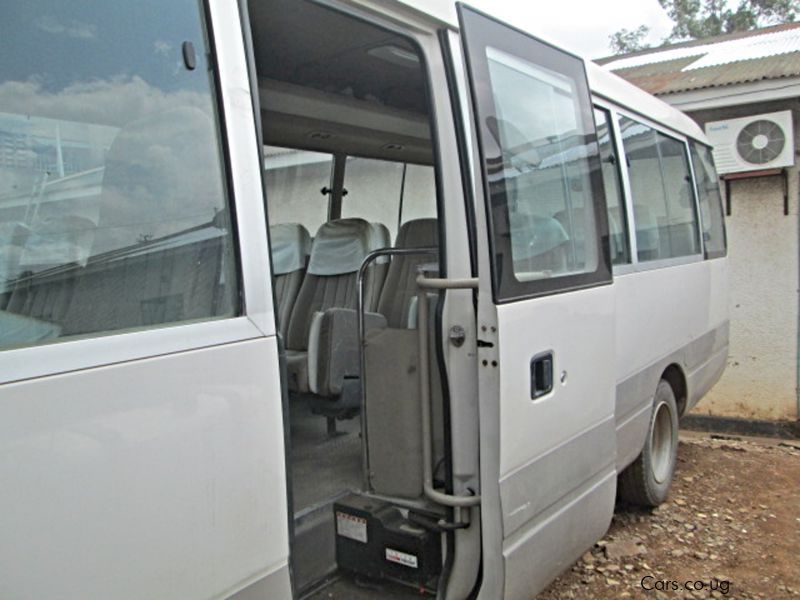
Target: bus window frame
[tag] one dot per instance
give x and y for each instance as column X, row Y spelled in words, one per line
column 624, row 183
column 706, row 254
column 506, row 288
column 636, row 265
column 240, row 154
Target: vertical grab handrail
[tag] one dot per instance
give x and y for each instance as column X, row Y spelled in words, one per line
column 372, row 256
column 423, row 284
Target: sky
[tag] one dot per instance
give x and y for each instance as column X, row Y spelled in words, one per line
column 582, row 26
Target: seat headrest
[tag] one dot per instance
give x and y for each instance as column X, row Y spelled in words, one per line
column 340, row 246
column 418, row 233
column 290, row 244
column 381, row 238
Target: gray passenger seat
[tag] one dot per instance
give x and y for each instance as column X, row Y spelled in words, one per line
column 400, row 289
column 337, row 252
column 290, row 244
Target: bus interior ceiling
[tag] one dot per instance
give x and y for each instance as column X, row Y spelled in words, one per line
column 348, row 170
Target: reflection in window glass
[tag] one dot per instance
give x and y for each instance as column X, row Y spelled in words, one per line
column 544, row 170
column 373, row 191
column 661, row 191
column 617, row 228
column 113, row 209
column 294, row 182
column 710, row 201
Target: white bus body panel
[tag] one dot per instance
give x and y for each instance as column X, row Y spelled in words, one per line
column 666, row 316
column 651, row 304
column 557, row 475
column 151, row 464
column 548, row 477
column 157, row 478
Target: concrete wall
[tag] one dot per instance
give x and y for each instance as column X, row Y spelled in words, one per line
column 760, row 381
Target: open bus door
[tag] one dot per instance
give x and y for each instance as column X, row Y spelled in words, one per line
column 546, row 309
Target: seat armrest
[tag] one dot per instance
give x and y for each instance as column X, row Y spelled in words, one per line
column 333, row 348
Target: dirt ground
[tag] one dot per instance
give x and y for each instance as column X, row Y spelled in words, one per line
column 730, row 529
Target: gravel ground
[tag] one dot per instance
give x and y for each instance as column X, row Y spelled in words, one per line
column 730, row 528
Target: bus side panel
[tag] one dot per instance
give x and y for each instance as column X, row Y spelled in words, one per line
column 557, row 453
column 158, row 478
column 671, row 315
column 708, row 361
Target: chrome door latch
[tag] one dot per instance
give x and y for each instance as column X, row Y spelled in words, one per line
column 457, row 335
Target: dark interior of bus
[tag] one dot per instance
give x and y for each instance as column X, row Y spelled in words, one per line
column 349, row 170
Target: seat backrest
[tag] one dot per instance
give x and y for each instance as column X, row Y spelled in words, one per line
column 290, row 244
column 381, row 238
column 648, row 239
column 400, row 286
column 338, row 249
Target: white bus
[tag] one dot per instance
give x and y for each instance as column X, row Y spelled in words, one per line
column 302, row 296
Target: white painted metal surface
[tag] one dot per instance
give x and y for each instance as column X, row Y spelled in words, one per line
column 661, row 311
column 245, row 158
column 158, row 478
column 151, row 464
column 611, row 87
column 573, row 326
column 155, row 468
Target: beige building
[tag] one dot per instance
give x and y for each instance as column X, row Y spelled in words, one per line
column 725, row 84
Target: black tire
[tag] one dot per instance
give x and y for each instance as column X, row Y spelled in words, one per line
column 647, row 480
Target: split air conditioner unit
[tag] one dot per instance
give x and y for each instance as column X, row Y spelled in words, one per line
column 753, row 143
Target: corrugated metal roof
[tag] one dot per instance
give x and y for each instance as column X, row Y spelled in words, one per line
column 770, row 53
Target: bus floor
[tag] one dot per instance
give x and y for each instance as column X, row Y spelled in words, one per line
column 350, row 587
column 323, row 467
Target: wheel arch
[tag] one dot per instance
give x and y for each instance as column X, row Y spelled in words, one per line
column 676, row 378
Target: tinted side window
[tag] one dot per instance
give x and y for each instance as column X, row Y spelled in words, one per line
column 711, row 215
column 295, row 180
column 546, row 176
column 419, row 194
column 113, row 207
column 617, row 219
column 373, row 191
column 661, row 192
column 680, row 220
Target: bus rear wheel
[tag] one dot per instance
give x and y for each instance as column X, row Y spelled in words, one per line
column 647, row 480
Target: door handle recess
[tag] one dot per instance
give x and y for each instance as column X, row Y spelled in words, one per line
column 541, row 375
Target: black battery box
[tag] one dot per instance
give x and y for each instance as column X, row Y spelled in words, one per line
column 375, row 539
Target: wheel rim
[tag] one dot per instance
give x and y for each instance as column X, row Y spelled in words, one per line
column 661, row 443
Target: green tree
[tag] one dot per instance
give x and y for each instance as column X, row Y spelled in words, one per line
column 697, row 19
column 629, row 40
